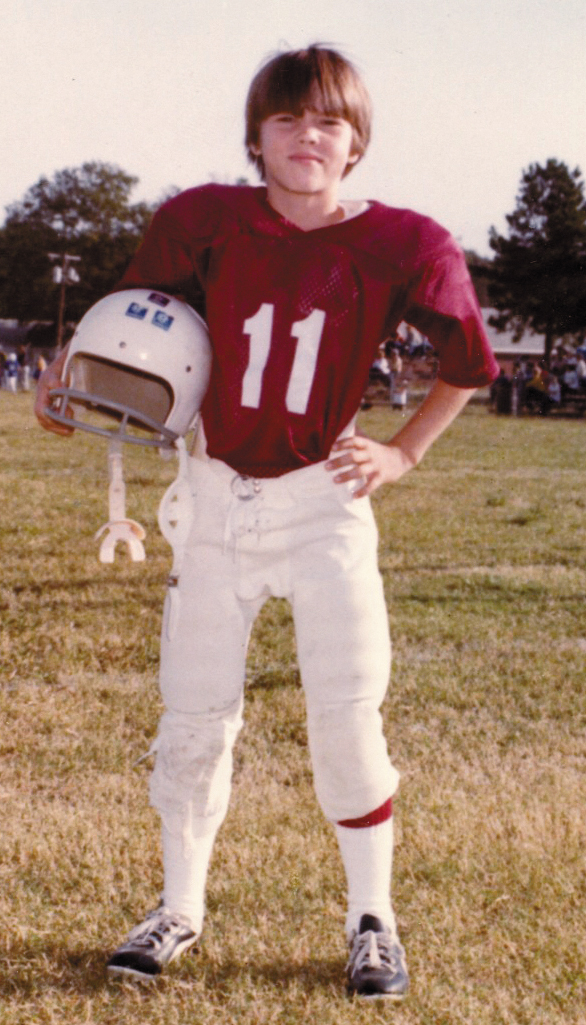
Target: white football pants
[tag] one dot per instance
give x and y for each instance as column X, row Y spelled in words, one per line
column 300, row 537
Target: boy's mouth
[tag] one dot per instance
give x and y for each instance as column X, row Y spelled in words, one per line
column 306, row 158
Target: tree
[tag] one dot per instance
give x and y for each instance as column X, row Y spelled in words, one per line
column 83, row 211
column 538, row 275
column 479, row 268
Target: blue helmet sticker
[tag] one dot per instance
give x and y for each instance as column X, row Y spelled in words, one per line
column 136, row 310
column 162, row 320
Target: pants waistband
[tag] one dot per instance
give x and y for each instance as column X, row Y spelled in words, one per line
column 314, row 479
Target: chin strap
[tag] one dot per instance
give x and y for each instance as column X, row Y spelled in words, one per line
column 119, row 527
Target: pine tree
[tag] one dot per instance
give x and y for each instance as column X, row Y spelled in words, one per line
column 538, row 275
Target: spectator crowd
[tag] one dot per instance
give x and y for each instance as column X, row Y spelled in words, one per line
column 535, row 387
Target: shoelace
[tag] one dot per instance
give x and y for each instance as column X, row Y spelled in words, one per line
column 374, row 950
column 151, row 933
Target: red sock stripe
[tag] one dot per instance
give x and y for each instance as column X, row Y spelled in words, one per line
column 374, row 818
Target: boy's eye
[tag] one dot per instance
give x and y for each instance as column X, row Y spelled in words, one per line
column 323, row 120
column 331, row 121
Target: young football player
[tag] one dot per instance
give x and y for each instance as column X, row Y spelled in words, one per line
column 298, row 289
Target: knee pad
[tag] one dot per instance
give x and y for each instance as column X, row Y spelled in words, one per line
column 352, row 770
column 190, row 783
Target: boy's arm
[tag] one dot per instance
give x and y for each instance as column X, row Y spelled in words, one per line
column 51, row 378
column 361, row 457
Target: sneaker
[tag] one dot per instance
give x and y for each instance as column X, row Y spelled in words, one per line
column 156, row 941
column 377, row 966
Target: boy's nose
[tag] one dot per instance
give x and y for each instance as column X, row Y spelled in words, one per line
column 308, row 130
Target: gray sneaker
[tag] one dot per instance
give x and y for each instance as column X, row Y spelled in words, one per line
column 156, row 941
column 377, row 966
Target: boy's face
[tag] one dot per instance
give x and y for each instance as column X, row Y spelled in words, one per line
column 305, row 153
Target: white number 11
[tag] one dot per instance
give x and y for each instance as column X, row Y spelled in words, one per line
column 308, row 333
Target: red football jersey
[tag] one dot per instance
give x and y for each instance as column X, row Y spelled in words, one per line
column 295, row 317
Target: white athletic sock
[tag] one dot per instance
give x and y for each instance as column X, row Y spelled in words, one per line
column 367, row 854
column 186, row 874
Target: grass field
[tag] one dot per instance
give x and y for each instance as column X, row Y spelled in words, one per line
column 483, row 550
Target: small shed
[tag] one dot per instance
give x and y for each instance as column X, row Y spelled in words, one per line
column 530, row 346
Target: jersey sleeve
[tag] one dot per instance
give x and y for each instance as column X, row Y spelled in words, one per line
column 442, row 304
column 173, row 254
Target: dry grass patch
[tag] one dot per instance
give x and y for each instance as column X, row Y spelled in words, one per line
column 483, row 550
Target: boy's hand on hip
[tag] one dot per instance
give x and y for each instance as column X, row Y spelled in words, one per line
column 373, row 463
column 361, row 458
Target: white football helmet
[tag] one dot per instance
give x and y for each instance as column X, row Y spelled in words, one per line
column 138, row 357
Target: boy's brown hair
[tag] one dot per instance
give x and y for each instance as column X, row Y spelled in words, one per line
column 287, row 83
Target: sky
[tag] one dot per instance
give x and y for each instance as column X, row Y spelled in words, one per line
column 467, row 93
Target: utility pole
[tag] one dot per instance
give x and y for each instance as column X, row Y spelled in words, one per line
column 63, row 275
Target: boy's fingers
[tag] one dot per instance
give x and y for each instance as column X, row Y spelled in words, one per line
column 348, row 451
column 355, row 441
column 42, row 403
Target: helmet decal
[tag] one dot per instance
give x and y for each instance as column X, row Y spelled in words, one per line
column 136, row 310
column 163, row 320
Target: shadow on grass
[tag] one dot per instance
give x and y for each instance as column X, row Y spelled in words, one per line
column 273, row 679
column 30, row 972
column 317, row 974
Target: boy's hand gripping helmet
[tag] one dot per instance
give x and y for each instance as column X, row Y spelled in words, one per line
column 141, row 358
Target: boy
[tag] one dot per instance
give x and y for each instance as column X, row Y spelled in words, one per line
column 298, row 290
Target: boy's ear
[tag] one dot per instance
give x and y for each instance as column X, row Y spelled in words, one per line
column 353, row 157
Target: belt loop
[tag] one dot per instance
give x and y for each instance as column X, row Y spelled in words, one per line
column 245, row 487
